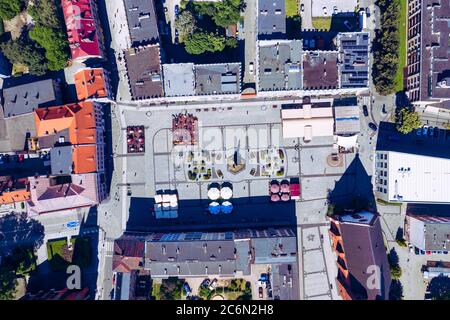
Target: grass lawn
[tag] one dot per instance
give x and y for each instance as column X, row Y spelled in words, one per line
column 156, row 287
column 321, row 23
column 80, row 257
column 19, row 69
column 291, row 8
column 402, row 47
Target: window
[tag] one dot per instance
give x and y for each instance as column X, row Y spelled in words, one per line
column 384, row 190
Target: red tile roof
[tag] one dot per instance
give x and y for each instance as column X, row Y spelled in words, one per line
column 81, row 29
column 90, row 83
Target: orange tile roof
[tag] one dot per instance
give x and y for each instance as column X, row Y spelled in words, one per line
column 84, row 159
column 90, row 82
column 79, row 118
column 14, row 196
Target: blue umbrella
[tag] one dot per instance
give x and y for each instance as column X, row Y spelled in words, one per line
column 227, row 207
column 214, row 208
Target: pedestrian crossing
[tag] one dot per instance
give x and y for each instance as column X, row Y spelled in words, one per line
column 109, row 246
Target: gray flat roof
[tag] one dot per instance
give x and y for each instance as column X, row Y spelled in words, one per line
column 354, row 59
column 347, row 119
column 218, row 78
column 61, row 160
column 271, row 18
column 142, row 21
column 179, row 79
column 280, row 65
column 25, row 98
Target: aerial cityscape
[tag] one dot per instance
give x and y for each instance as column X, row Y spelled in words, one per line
column 246, row 150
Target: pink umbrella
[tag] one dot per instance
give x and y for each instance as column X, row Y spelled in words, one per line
column 274, row 188
column 285, row 197
column 284, row 187
column 274, row 197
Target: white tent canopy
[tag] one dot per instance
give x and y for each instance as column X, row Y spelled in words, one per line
column 213, row 194
column 347, row 142
column 226, row 193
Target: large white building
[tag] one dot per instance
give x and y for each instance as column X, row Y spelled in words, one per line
column 412, row 167
column 409, row 177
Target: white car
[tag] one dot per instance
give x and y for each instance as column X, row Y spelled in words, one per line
column 213, row 284
column 302, row 7
column 324, row 11
column 250, row 67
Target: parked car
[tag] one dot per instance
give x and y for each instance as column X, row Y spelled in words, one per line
column 187, row 288
column 416, row 251
column 176, row 32
column 21, row 158
column 260, row 291
column 436, row 132
column 431, row 131
column 348, row 25
column 176, row 40
column 324, row 11
column 213, row 284
column 422, row 252
column 165, row 9
column 264, row 277
column 250, row 67
column 444, row 252
column 425, row 130
column 419, row 131
column 335, row 9
column 368, row 12
column 411, row 248
column 2, row 159
column 365, row 111
column 206, row 283
column 302, row 7
column 176, row 10
column 373, row 126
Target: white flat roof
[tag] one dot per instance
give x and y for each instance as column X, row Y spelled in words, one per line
column 308, row 128
column 423, row 178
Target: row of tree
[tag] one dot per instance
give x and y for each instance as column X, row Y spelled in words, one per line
column 44, row 47
column 386, row 55
column 11, row 8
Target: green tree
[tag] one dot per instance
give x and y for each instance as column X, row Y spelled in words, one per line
column 408, row 121
column 185, row 23
column 8, row 283
column 201, row 42
column 439, row 288
column 10, row 8
column 55, row 44
column 46, row 13
column 231, row 42
column 18, row 51
column 227, row 12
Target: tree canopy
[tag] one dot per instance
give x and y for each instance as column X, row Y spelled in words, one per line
column 386, row 58
column 8, row 283
column 54, row 42
column 18, row 51
column 10, row 8
column 201, row 42
column 185, row 23
column 407, row 121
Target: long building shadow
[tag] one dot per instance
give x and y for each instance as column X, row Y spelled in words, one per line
column 354, row 191
column 193, row 215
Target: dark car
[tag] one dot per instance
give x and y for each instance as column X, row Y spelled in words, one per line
column 365, row 111
column 373, row 126
column 176, row 10
column 176, row 40
column 260, row 291
column 187, row 288
column 176, row 32
column 206, row 283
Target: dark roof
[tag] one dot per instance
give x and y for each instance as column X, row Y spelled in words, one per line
column 5, row 66
column 271, row 18
column 320, row 70
column 389, row 139
column 25, row 98
column 354, row 59
column 142, row 21
column 439, row 210
column 364, row 247
column 144, row 72
column 218, row 78
column 435, row 63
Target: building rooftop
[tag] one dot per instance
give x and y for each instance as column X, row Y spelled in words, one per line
column 142, row 21
column 13, row 190
column 363, row 247
column 346, row 119
column 435, row 63
column 91, row 83
column 81, row 29
column 179, row 79
column 144, row 72
column 218, row 78
column 25, row 98
column 353, row 50
column 79, row 118
column 320, row 70
column 429, row 232
column 271, row 19
column 280, row 65
column 61, row 160
column 307, row 120
column 50, row 194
